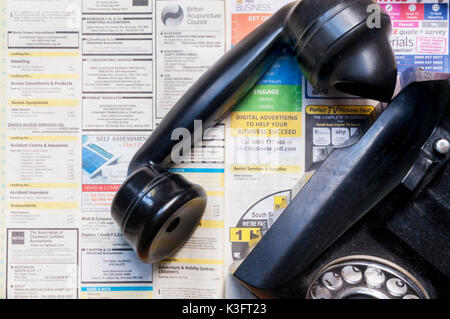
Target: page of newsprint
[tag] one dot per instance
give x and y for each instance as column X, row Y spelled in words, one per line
column 83, row 83
column 86, row 82
column 3, row 79
column 285, row 127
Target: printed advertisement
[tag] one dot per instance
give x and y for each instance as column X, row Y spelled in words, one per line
column 265, row 144
column 86, row 83
column 420, row 33
column 324, row 119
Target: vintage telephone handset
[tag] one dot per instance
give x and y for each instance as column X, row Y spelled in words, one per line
column 158, row 210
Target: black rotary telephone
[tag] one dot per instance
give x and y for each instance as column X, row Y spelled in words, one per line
column 336, row 48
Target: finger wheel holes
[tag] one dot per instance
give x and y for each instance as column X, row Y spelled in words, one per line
column 365, row 277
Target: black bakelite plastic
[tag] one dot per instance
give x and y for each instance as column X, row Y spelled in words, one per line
column 157, row 211
column 346, row 186
column 335, row 48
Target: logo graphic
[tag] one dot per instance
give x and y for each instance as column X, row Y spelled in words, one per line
column 172, row 15
column 17, row 238
column 436, row 7
column 412, row 7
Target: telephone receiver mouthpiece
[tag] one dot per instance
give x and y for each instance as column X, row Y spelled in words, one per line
column 337, row 46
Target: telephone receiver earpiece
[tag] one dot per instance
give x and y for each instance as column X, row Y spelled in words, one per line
column 335, row 47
